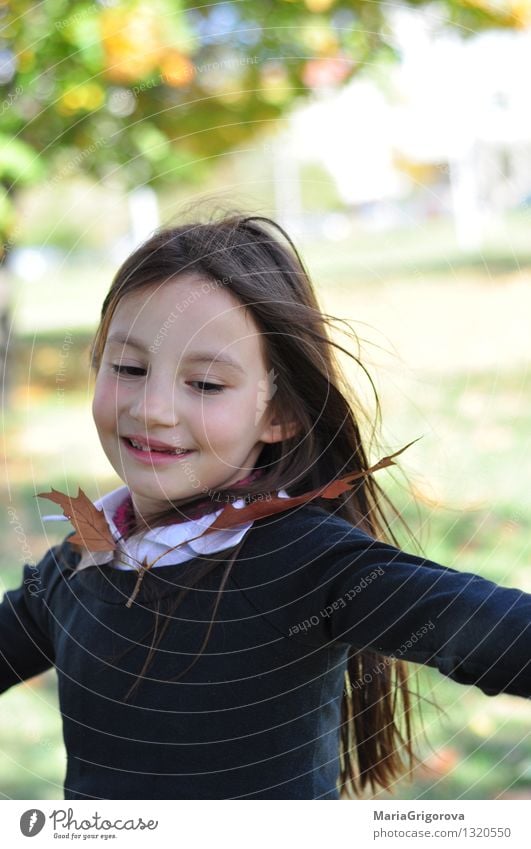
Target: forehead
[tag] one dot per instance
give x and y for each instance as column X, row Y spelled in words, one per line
column 188, row 313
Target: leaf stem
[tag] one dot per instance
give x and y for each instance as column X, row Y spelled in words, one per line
column 143, row 569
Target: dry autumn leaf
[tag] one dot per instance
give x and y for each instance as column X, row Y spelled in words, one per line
column 261, row 509
column 232, row 516
column 93, row 532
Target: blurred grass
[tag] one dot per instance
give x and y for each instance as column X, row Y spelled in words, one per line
column 33, row 759
column 463, row 488
column 423, row 251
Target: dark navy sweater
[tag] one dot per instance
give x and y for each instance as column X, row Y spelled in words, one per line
column 258, row 715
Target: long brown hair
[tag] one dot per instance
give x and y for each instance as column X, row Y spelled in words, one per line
column 257, row 261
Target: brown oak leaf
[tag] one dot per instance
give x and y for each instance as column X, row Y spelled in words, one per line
column 94, row 534
column 92, row 530
column 232, row 516
column 260, row 509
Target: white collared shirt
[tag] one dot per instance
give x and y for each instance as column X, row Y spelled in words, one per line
column 155, row 543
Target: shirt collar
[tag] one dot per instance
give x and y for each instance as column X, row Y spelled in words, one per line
column 154, row 543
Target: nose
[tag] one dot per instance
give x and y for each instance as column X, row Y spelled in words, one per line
column 154, row 403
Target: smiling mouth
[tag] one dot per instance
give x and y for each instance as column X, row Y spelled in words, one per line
column 149, row 451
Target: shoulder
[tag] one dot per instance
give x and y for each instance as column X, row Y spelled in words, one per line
column 313, row 520
column 42, row 579
column 29, row 602
column 294, row 562
column 307, row 533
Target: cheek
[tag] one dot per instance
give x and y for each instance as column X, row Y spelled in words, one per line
column 210, row 423
column 228, row 422
column 103, row 404
column 215, row 422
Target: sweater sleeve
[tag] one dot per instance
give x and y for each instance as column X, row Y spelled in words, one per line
column 375, row 596
column 26, row 647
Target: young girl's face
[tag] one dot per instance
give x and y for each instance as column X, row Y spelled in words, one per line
column 183, row 367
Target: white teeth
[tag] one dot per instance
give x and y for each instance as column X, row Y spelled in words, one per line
column 162, row 450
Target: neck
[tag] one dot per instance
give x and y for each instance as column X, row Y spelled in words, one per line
column 126, row 517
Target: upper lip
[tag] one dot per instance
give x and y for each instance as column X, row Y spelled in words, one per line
column 152, row 443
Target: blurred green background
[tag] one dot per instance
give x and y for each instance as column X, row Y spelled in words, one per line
column 110, row 103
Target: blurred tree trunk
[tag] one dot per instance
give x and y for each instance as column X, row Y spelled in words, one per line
column 4, row 331
column 6, row 232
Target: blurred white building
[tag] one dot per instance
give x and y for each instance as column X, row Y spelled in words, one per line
column 461, row 105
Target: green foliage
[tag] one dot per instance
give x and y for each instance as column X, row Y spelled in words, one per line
column 149, row 89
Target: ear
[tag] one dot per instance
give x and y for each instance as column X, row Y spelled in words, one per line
column 276, row 431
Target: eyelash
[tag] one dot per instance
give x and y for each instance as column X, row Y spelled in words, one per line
column 120, row 370
column 215, row 390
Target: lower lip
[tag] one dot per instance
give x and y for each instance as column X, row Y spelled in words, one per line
column 153, row 458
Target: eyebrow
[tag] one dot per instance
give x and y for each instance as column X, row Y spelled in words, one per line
column 193, row 357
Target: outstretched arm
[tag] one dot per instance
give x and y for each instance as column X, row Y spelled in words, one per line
column 471, row 629
column 25, row 645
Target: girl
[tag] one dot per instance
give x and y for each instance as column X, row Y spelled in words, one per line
column 266, row 660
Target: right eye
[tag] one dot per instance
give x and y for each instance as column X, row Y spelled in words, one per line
column 126, row 370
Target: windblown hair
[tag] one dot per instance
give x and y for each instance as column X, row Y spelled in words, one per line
column 254, row 258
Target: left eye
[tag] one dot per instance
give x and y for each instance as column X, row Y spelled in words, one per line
column 213, row 387
column 127, row 370
column 136, row 371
